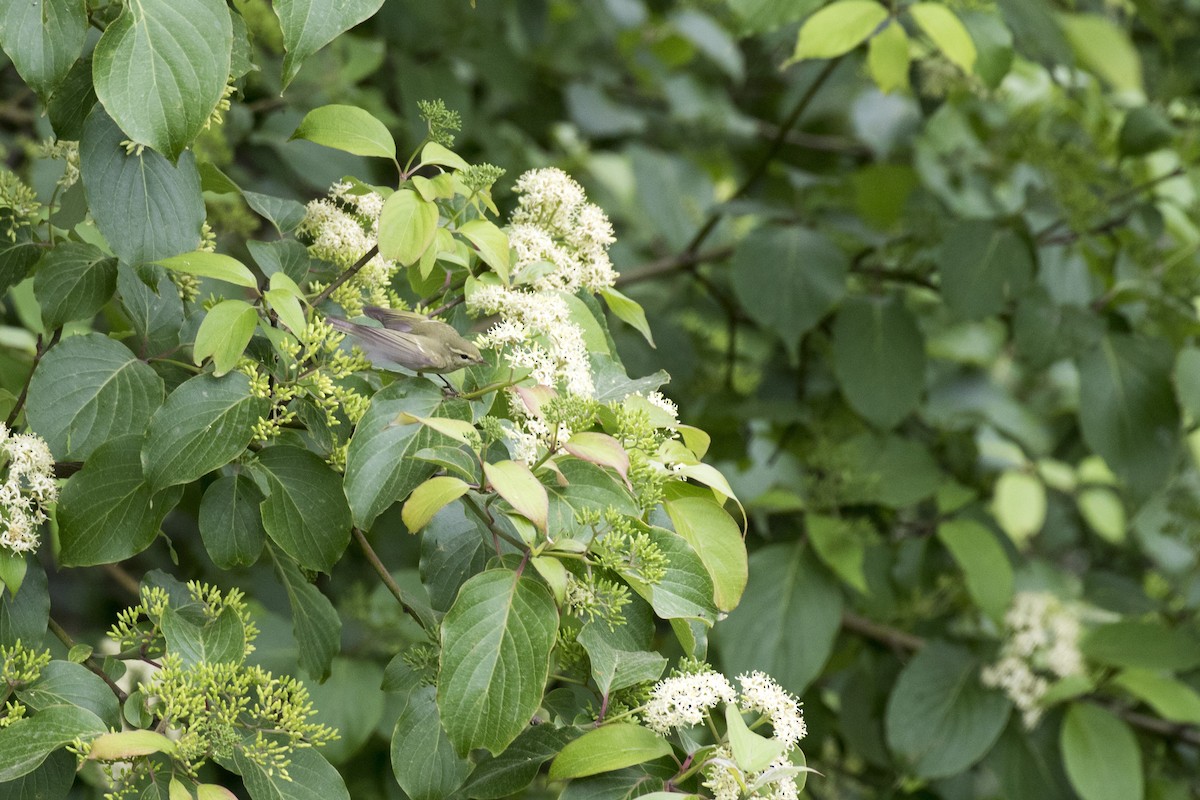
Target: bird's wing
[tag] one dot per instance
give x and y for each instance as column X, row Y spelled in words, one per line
column 406, row 321
column 387, row 348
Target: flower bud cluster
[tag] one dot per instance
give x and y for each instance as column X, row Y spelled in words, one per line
column 1041, row 645
column 19, row 206
column 29, row 486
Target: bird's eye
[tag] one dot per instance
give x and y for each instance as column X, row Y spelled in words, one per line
column 464, row 356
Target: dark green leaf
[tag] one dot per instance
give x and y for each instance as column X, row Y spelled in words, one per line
column 146, row 208
column 72, row 101
column 1127, row 409
column 515, row 768
column 63, row 683
column 199, row 640
column 153, row 306
column 982, row 266
column 453, row 548
column 305, row 512
column 43, row 39
column 940, row 720
column 204, row 424
column 230, row 522
column 686, row 590
column 310, row 777
column 26, row 743
column 49, row 781
column 423, row 760
column 1148, row 644
column 309, row 25
column 879, row 359
column 74, row 281
column 614, row 667
column 787, row 279
column 315, row 623
column 24, row 616
column 87, row 391
column 107, row 512
column 496, row 642
column 379, row 466
column 161, row 67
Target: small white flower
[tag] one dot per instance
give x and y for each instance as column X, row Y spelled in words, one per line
column 29, row 485
column 681, row 701
column 761, row 693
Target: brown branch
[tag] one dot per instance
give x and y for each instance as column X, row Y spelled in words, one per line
column 69, row 643
column 892, row 637
column 123, row 578
column 666, row 266
column 345, row 276
column 37, row 358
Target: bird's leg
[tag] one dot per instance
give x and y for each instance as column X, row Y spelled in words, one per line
column 449, row 391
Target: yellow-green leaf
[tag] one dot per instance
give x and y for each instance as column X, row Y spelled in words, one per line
column 1019, row 505
column 224, row 334
column 407, row 226
column 491, row 242
column 211, row 265
column 601, row 449
column 947, row 32
column 838, row 28
column 513, row 481
column 127, row 744
column 608, row 748
column 887, row 58
column 429, row 498
column 347, row 128
column 628, row 311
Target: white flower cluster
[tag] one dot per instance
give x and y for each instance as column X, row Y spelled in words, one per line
column 561, row 245
column 1041, row 644
column 684, row 700
column 28, row 488
column 341, row 229
column 556, row 226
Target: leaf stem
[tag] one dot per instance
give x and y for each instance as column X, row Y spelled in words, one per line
column 384, row 575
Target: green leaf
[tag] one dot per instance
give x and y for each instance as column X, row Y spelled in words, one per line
column 1101, row 755
column 982, row 266
column 74, row 281
column 198, row 640
column 305, row 512
column 53, row 778
column 123, row 745
column 310, row 777
column 63, row 683
column 607, row 748
column 43, row 39
column 286, row 215
column 599, row 449
column 224, row 334
column 628, row 311
column 940, row 720
column 315, row 622
column 840, row 544
column 88, row 390
column 515, row 768
column 13, row 567
column 230, row 522
column 1145, row 130
column 496, row 643
column 879, row 359
column 838, row 28
column 513, row 481
column 1102, row 510
column 309, row 25
column 1171, row 699
column 204, row 424
column 407, row 226
column 490, row 242
column 686, row 590
column 1019, row 505
column 26, row 743
column 716, row 538
column 107, row 512
column 1127, row 409
column 983, row 562
column 153, row 307
column 351, row 702
column 211, row 265
column 25, row 615
column 614, row 666
column 1187, row 380
column 788, row 278
column 434, row 153
column 347, row 128
column 146, row 208
column 588, row 488
column 161, row 67
column 888, row 59
column 787, row 621
column 380, row 468
column 1142, row 644
column 429, row 498
column 423, row 760
column 453, row 548
column 947, row 32
column 752, row 752
column 286, row 306
column 1106, row 50
column 16, row 259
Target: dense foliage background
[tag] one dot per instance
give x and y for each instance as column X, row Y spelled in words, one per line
column 932, row 296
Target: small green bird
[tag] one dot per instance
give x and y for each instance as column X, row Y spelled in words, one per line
column 410, row 340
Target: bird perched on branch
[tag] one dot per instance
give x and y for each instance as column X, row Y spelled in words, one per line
column 410, row 340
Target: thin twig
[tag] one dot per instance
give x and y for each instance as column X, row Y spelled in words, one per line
column 69, row 643
column 666, row 266
column 764, row 163
column 345, row 276
column 1043, row 236
column 384, row 575
column 37, row 358
column 123, row 578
